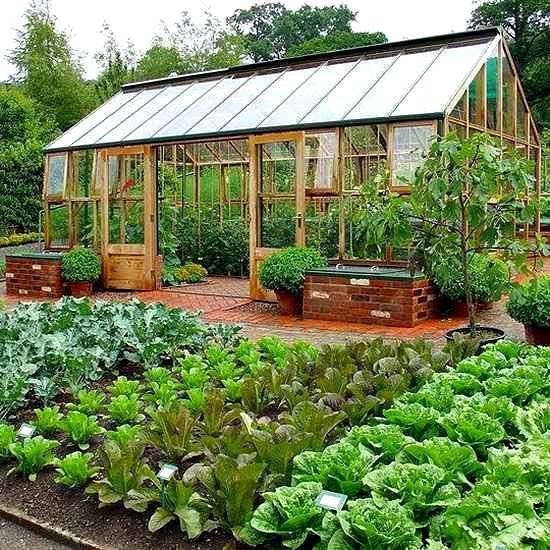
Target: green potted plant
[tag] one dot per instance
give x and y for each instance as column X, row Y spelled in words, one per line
column 489, row 279
column 284, row 272
column 465, row 199
column 529, row 304
column 80, row 268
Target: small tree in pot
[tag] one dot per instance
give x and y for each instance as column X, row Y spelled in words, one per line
column 81, row 267
column 529, row 304
column 465, row 199
column 284, row 272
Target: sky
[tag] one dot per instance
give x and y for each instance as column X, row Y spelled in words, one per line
column 139, row 21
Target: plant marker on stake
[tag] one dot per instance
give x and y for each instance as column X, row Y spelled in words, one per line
column 167, row 472
column 26, row 431
column 331, row 501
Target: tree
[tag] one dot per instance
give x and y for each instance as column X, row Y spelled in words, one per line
column 465, row 198
column 272, row 30
column 24, row 130
column 47, row 68
column 117, row 66
column 159, row 61
column 526, row 24
column 338, row 41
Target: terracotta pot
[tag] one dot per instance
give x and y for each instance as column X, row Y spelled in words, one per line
column 538, row 336
column 289, row 304
column 80, row 289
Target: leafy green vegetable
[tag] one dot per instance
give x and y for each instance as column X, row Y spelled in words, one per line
column 289, row 514
column 124, row 409
column 123, row 386
column 414, row 419
column 89, row 402
column 81, row 428
column 7, row 437
column 534, row 420
column 125, row 434
column 47, row 420
column 385, row 440
column 75, row 470
column 32, row 455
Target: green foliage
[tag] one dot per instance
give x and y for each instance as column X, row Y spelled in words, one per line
column 47, row 68
column 75, row 470
column 337, row 41
column 288, row 513
column 285, row 270
column 124, row 471
column 271, row 30
column 123, row 386
column 177, row 502
column 7, row 437
column 189, row 272
column 81, row 264
column 47, row 420
column 124, row 409
column 89, row 402
column 16, row 239
column 489, row 278
column 32, row 455
column 124, row 435
column 452, row 202
column 529, row 303
column 81, row 428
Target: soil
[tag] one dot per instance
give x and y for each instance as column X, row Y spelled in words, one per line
column 113, row 527
column 15, row 537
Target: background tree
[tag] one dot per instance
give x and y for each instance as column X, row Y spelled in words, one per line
column 159, row 61
column 23, row 130
column 47, row 69
column 527, row 26
column 338, row 41
column 271, row 30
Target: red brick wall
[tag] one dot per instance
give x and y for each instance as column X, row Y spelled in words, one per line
column 400, row 303
column 33, row 277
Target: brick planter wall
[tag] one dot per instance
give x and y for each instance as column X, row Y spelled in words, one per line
column 34, row 276
column 379, row 301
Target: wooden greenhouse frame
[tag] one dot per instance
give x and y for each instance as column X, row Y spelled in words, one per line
column 117, row 209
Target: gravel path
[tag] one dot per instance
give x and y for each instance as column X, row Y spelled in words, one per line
column 15, row 537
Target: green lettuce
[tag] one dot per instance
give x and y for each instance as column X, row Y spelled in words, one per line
column 385, row 440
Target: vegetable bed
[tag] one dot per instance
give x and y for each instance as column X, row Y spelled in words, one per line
column 431, row 448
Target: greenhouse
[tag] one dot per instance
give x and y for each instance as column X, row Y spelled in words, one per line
column 224, row 167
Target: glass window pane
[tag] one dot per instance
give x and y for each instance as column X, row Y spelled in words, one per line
column 320, row 160
column 460, row 108
column 458, row 129
column 382, row 98
column 86, row 223
column 126, row 223
column 212, row 100
column 277, row 222
column 348, row 92
column 476, row 99
column 409, row 144
column 234, row 104
column 92, row 120
column 322, row 223
column 522, row 119
column 83, row 164
column 56, row 175
column 508, row 97
column 493, row 120
column 277, row 167
column 297, row 105
column 262, row 107
column 438, row 85
column 58, row 225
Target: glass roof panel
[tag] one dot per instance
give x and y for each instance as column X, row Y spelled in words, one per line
column 190, row 93
column 234, row 104
column 348, row 92
column 95, row 135
column 92, row 120
column 293, row 110
column 442, row 81
column 267, row 102
column 156, row 104
column 210, row 101
column 381, row 100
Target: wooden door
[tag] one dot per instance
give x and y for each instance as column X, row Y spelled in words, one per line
column 128, row 218
column 277, row 199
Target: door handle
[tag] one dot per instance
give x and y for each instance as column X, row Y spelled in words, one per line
column 300, row 219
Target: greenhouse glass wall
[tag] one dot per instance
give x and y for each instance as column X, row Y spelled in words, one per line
column 225, row 167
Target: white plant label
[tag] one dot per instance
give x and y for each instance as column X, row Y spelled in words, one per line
column 26, row 430
column 331, row 501
column 167, row 471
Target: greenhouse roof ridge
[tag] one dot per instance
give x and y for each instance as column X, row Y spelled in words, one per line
column 373, row 49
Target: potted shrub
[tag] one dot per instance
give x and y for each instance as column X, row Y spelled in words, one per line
column 284, row 272
column 465, row 198
column 529, row 304
column 80, row 268
column 489, row 279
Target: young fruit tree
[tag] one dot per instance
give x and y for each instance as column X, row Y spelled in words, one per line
column 470, row 196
